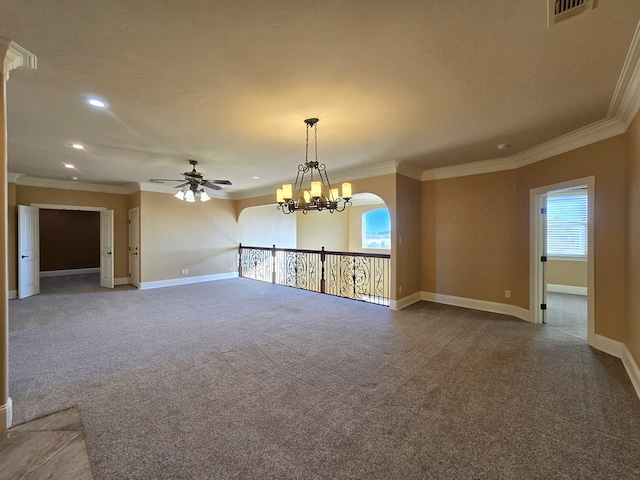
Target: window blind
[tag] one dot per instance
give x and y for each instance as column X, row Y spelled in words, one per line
column 567, row 218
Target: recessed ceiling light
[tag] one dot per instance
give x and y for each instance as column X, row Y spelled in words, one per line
column 77, row 146
column 74, row 178
column 255, row 177
column 96, row 102
column 504, row 146
column 68, row 165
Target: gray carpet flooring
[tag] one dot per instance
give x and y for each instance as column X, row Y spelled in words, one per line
column 243, row 379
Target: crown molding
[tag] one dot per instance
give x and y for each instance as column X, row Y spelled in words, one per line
column 13, row 177
column 71, row 185
column 337, row 176
column 16, row 57
column 626, row 96
column 623, row 108
column 409, row 170
column 595, row 132
column 364, row 171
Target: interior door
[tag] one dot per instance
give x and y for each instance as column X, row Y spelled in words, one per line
column 28, row 251
column 134, row 246
column 543, row 258
column 106, row 248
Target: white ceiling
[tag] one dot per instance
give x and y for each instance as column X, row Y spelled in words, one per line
column 429, row 83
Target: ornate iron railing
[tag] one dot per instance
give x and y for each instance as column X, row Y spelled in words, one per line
column 359, row 276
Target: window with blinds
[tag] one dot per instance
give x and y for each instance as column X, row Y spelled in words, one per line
column 567, row 219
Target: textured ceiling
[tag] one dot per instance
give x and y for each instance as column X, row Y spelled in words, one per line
column 229, row 83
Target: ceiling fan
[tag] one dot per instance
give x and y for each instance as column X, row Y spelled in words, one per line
column 191, row 183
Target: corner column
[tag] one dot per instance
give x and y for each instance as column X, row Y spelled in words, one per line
column 14, row 56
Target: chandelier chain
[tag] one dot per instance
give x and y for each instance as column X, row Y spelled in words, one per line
column 315, row 130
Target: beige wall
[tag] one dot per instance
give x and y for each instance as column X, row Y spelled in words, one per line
column 632, row 277
column 475, row 233
column 468, row 236
column 26, row 195
column 567, row 272
column 323, row 229
column 200, row 237
column 265, row 226
column 406, row 227
column 606, row 160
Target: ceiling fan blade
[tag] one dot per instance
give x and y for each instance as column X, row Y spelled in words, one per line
column 182, row 185
column 162, row 180
column 210, row 185
column 220, row 182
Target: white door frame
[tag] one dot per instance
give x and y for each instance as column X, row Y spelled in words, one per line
column 28, row 251
column 134, row 247
column 536, row 199
column 49, row 206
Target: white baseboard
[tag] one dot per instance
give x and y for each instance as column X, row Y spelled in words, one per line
column 632, row 369
column 405, row 301
column 12, row 294
column 620, row 350
column 570, row 289
column 186, row 280
column 606, row 345
column 483, row 305
column 6, row 414
column 73, row 271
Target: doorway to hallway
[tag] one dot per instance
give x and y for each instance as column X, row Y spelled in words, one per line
column 562, row 263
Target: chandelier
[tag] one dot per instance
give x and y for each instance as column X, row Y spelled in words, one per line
column 318, row 195
column 191, row 193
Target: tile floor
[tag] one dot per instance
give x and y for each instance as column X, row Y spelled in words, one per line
column 51, row 447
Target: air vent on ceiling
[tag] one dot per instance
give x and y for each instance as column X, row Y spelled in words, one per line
column 560, row 10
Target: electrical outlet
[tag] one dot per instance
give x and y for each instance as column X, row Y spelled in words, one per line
column 507, row 294
column 184, row 271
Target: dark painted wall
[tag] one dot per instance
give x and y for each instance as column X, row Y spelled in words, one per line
column 69, row 239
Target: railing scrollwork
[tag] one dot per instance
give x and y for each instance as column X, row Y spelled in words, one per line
column 359, row 276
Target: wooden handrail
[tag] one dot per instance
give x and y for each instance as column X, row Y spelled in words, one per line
column 326, row 252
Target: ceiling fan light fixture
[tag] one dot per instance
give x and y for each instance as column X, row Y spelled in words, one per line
column 191, row 186
column 319, row 195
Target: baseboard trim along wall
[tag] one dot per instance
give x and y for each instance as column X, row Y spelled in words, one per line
column 186, row 280
column 620, row 350
column 483, row 305
column 632, row 369
column 405, row 301
column 606, row 345
column 6, row 414
column 72, row 271
column 570, row 289
column 13, row 294
column 121, row 281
